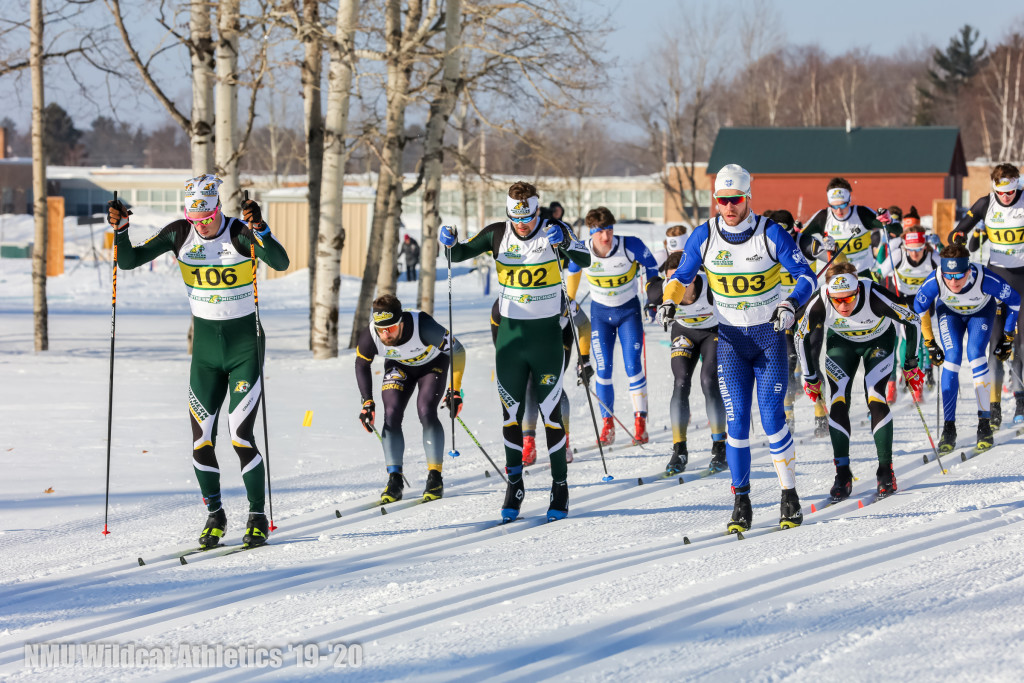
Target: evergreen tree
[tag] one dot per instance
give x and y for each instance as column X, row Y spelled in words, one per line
column 953, row 69
column 62, row 137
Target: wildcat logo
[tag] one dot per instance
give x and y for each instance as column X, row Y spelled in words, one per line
column 209, row 190
column 879, row 353
column 521, row 209
column 742, row 306
column 392, row 353
column 996, row 217
column 840, row 322
column 198, row 205
column 241, row 387
column 215, row 299
column 198, row 251
column 513, row 251
column 596, row 267
column 724, row 258
column 189, row 187
column 394, row 375
column 548, row 380
column 524, row 299
column 841, row 283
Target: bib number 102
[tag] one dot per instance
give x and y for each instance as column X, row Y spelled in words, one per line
column 214, row 277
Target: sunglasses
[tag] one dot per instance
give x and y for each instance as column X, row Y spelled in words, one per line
column 843, row 299
column 738, row 199
column 1006, row 194
column 203, row 222
column 390, row 329
column 955, row 276
column 840, row 207
column 521, row 221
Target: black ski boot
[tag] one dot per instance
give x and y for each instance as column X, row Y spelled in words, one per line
column 843, row 485
column 256, row 530
column 514, row 500
column 886, row 481
column 947, row 442
column 790, row 514
column 741, row 514
column 997, row 415
column 984, row 434
column 679, row 458
column 393, row 491
column 214, row 529
column 1018, row 410
column 559, row 506
column 820, row 426
column 435, row 485
column 718, row 462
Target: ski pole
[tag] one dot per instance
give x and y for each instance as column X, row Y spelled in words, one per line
column 474, row 439
column 614, row 416
column 110, row 395
column 834, row 257
column 576, row 341
column 259, row 361
column 377, row 434
column 451, row 347
column 929, row 433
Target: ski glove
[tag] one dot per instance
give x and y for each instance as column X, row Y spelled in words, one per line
column 452, row 403
column 251, row 213
column 367, row 413
column 823, row 244
column 812, row 389
column 957, row 238
column 584, row 370
column 1004, row 348
column 934, row 351
column 914, row 377
column 556, row 235
column 117, row 214
column 883, row 216
column 666, row 313
column 784, row 316
column 448, row 236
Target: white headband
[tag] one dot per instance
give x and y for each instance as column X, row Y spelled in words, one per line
column 675, row 243
column 843, row 284
column 202, row 193
column 521, row 208
column 1006, row 185
column 838, row 195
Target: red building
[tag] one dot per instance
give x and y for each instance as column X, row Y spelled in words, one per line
column 791, row 166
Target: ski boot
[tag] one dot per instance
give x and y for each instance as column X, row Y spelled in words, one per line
column 256, row 530
column 718, row 462
column 741, row 514
column 791, row 420
column 790, row 514
column 996, row 411
column 984, row 434
column 886, row 481
column 947, row 442
column 514, row 495
column 1018, row 410
column 890, row 392
column 607, row 437
column 214, row 529
column 559, row 505
column 843, row 485
column 820, row 426
column 435, row 485
column 393, row 491
column 529, row 450
column 679, row 459
column 640, row 429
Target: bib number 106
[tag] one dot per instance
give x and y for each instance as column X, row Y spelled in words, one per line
column 214, row 277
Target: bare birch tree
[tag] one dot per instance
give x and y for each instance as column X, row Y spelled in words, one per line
column 226, row 105
column 39, row 306
column 1001, row 78
column 201, row 48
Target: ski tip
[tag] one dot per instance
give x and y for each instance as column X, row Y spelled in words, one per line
column 487, row 473
column 639, row 481
column 607, row 478
column 383, row 510
column 963, row 457
column 681, row 480
column 142, row 563
column 337, row 513
column 182, row 560
column 860, row 504
column 925, row 460
column 686, row 540
column 739, row 536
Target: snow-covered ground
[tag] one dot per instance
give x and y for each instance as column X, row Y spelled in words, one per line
column 639, row 583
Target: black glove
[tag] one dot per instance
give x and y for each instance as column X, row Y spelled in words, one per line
column 367, row 413
column 117, row 214
column 251, row 213
column 584, row 370
column 957, row 238
column 1004, row 348
column 667, row 313
column 935, row 352
column 452, row 403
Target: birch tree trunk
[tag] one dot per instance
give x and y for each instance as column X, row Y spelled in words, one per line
column 312, row 67
column 441, row 109
column 200, row 46
column 331, row 233
column 226, row 128
column 39, row 307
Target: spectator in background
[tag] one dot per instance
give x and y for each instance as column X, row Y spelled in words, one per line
column 675, row 238
column 553, row 212
column 410, row 251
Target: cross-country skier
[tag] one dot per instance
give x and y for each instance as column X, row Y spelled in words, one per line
column 842, row 221
column 965, row 297
column 742, row 254
column 614, row 276
column 417, row 354
column 858, row 317
column 910, row 265
column 527, row 252
column 213, row 254
column 1002, row 212
column 694, row 334
column 584, row 372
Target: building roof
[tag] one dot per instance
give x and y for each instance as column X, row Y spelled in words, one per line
column 834, row 151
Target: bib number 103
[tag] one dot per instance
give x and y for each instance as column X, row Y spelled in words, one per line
column 741, row 284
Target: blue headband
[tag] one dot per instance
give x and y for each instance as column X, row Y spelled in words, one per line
column 959, row 264
column 594, row 231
